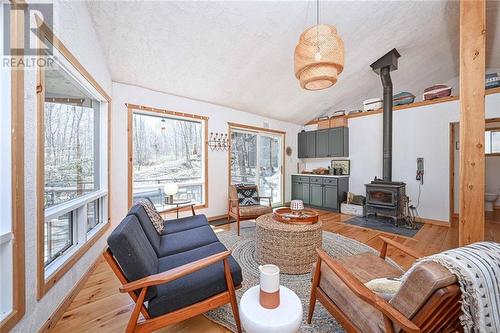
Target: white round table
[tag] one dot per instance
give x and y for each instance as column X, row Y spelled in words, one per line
column 286, row 318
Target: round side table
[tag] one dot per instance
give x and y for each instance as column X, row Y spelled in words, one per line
column 286, row 318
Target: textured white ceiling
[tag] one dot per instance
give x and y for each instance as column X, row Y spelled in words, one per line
column 240, row 54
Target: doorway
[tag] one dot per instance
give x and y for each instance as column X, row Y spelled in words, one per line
column 256, row 157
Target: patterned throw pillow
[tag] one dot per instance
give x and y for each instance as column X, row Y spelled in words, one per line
column 247, row 195
column 153, row 214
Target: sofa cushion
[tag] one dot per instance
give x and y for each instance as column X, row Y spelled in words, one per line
column 133, row 252
column 368, row 266
column 186, row 240
column 365, row 317
column 150, row 231
column 153, row 214
column 256, row 210
column 196, row 286
column 185, row 223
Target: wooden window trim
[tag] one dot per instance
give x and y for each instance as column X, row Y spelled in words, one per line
column 494, row 129
column 44, row 284
column 17, row 163
column 130, row 112
column 257, row 129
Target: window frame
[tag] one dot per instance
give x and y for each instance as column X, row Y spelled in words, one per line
column 17, row 233
column 492, row 129
column 235, row 127
column 48, row 276
column 133, row 108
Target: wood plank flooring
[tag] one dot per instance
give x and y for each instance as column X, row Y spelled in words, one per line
column 99, row 307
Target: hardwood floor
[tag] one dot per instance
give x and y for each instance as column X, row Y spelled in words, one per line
column 99, row 307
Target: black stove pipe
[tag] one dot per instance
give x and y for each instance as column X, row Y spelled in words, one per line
column 383, row 67
column 385, row 76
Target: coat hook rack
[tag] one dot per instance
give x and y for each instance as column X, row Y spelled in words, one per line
column 218, row 141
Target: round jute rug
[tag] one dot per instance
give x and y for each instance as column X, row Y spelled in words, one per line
column 243, row 250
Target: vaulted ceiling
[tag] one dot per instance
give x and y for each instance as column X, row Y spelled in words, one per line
column 240, row 54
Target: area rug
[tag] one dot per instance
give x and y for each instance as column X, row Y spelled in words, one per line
column 385, row 224
column 243, row 250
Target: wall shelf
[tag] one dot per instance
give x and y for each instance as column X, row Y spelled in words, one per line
column 409, row 106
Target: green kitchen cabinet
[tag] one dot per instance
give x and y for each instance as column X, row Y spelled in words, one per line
column 322, row 143
column 316, row 195
column 329, row 142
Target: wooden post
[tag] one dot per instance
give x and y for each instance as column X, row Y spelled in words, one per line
column 472, row 120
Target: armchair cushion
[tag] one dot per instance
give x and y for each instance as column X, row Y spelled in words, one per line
column 247, row 195
column 426, row 279
column 365, row 317
column 133, row 252
column 256, row 210
column 185, row 223
column 368, row 266
column 186, row 240
column 196, row 286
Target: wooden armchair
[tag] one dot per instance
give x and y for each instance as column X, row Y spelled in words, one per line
column 427, row 301
column 240, row 212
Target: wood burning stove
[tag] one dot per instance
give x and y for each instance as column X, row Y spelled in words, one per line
column 386, row 198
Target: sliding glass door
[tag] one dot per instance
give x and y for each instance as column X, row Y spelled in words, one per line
column 256, row 158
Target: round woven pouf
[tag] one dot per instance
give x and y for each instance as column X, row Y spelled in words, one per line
column 290, row 247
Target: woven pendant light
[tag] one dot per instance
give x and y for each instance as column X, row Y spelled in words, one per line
column 319, row 56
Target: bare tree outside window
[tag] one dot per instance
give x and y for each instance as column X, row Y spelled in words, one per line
column 167, row 150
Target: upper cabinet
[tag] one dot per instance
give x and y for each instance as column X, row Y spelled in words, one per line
column 329, row 142
column 307, row 144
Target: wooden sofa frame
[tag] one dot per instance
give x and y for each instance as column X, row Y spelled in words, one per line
column 439, row 314
column 149, row 324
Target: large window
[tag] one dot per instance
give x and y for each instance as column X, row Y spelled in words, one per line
column 168, row 150
column 257, row 158
column 492, row 141
column 72, row 164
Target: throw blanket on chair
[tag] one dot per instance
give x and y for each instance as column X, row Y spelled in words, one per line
column 477, row 268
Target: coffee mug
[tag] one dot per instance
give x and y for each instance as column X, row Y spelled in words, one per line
column 296, row 205
column 269, row 296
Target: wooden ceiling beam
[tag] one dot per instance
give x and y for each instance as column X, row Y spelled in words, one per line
column 472, row 120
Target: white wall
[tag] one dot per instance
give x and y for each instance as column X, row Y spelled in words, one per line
column 72, row 24
column 219, row 116
column 418, row 132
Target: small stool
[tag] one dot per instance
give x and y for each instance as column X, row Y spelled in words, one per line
column 286, row 318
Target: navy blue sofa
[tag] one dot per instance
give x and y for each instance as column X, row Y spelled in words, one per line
column 181, row 273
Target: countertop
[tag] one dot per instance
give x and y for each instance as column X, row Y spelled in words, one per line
column 313, row 175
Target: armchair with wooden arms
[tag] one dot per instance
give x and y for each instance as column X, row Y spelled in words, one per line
column 427, row 301
column 239, row 211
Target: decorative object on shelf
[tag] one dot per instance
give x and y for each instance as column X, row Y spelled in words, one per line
column 372, row 104
column 303, row 216
column 320, row 171
column 341, row 167
column 319, row 56
column 288, row 151
column 403, row 98
column 339, row 113
column 323, row 122
column 492, row 80
column 269, row 295
column 218, row 141
column 354, row 111
column 436, row 91
column 171, row 190
column 296, row 205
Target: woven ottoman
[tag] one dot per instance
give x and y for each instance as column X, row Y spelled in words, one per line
column 291, row 247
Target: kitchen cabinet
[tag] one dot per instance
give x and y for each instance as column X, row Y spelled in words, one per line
column 320, row 192
column 322, row 145
column 329, row 142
